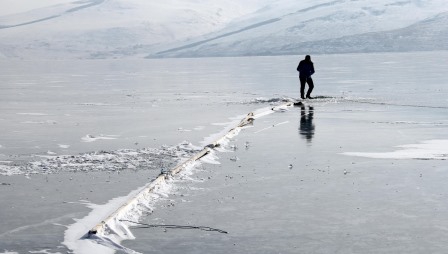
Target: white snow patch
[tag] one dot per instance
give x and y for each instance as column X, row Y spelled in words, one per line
column 112, row 161
column 187, row 146
column 75, row 237
column 44, row 251
column 9, row 170
column 117, row 229
column 230, row 131
column 63, row 146
column 9, row 252
column 211, row 158
column 40, row 122
column 90, row 138
column 199, row 128
column 96, row 104
column 228, row 126
column 262, row 112
column 427, row 150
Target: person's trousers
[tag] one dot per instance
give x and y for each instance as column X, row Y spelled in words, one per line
column 304, row 80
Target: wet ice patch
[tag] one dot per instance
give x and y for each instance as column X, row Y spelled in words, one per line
column 439, row 123
column 273, row 126
column 427, row 150
column 96, row 104
column 33, row 114
column 40, row 122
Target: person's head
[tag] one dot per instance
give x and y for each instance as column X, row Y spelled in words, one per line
column 308, row 58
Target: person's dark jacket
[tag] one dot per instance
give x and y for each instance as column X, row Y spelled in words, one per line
column 306, row 68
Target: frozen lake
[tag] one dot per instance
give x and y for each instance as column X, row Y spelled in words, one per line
column 360, row 169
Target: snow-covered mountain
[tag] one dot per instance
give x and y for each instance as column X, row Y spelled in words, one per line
column 193, row 28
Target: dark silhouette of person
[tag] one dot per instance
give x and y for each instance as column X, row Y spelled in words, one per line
column 306, row 127
column 306, row 69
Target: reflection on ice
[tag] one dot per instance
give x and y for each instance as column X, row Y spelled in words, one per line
column 306, row 127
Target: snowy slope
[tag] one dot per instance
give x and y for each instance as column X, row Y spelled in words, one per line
column 293, row 27
column 97, row 28
column 172, row 28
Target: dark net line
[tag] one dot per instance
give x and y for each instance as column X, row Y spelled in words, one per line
column 144, row 225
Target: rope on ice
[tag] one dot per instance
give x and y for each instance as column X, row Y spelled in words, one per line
column 204, row 228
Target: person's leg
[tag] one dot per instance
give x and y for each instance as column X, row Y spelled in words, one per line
column 302, row 87
column 310, row 87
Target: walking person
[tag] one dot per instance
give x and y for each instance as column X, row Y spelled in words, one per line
column 306, row 69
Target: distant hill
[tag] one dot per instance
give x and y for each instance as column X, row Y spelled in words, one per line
column 199, row 28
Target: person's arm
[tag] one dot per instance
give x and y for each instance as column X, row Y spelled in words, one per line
column 299, row 67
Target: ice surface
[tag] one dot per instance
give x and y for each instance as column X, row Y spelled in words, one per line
column 292, row 185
